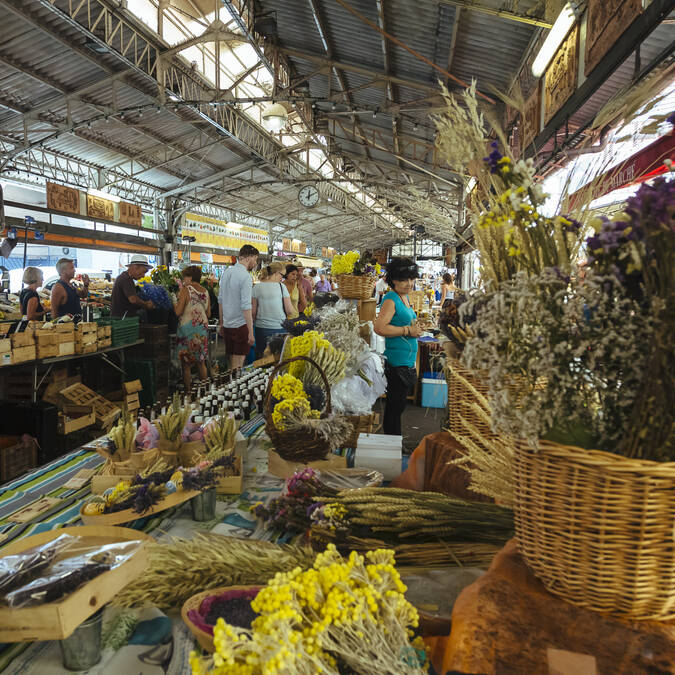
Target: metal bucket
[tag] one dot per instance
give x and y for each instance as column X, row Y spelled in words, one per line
column 204, row 505
column 82, row 649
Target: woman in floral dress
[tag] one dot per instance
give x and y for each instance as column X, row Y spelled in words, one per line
column 192, row 310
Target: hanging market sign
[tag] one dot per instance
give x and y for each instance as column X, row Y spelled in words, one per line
column 130, row 214
column 561, row 75
column 63, row 198
column 98, row 207
column 607, row 21
column 219, row 234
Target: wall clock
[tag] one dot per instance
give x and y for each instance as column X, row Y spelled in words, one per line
column 308, row 196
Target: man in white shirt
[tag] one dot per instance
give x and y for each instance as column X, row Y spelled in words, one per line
column 234, row 299
column 380, row 289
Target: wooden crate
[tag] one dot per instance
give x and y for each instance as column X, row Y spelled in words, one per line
column 74, row 418
column 58, row 620
column 85, row 327
column 103, row 332
column 282, row 468
column 66, row 348
column 66, row 327
column 105, row 411
column 5, row 327
column 17, row 456
column 231, row 485
column 22, row 354
column 85, row 338
column 5, row 345
column 25, row 339
column 104, row 343
column 131, row 402
column 46, row 338
column 46, row 351
column 86, row 348
column 5, row 358
column 133, row 386
column 366, row 309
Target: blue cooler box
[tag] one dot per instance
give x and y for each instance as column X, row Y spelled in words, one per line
column 434, row 390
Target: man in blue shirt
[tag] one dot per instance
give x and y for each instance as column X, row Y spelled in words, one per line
column 234, row 299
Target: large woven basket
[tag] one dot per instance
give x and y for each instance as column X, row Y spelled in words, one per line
column 291, row 445
column 598, row 529
column 468, row 407
column 355, row 287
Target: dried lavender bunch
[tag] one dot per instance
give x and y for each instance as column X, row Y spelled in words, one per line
column 564, row 357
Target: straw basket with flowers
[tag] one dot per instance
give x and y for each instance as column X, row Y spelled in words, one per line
column 356, row 274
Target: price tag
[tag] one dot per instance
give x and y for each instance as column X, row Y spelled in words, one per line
column 32, row 511
column 80, row 479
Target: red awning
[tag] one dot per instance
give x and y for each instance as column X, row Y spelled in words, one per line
column 642, row 166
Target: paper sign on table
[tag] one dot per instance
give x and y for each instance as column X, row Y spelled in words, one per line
column 32, row 511
column 80, row 479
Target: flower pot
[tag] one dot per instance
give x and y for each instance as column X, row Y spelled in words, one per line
column 204, row 505
column 597, row 528
column 82, row 649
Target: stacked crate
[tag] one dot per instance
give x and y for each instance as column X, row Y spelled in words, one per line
column 104, row 336
column 5, row 345
column 86, row 340
column 23, row 347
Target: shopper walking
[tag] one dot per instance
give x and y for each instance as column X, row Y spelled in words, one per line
column 236, row 318
column 31, row 307
column 192, row 310
column 307, row 285
column 395, row 323
column 65, row 297
column 448, row 288
column 271, row 303
column 124, row 298
column 295, row 291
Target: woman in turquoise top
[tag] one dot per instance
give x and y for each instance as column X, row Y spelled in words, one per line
column 396, row 323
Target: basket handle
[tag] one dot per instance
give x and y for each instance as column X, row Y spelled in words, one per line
column 268, row 394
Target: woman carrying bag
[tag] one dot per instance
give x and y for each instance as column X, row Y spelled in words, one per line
column 270, row 304
column 294, row 288
column 395, row 323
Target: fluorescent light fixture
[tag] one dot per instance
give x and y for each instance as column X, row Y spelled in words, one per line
column 556, row 35
column 104, row 195
column 274, row 117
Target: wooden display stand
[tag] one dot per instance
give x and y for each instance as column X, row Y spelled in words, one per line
column 74, row 417
column 58, row 620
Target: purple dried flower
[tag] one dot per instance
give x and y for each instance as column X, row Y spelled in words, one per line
column 492, row 160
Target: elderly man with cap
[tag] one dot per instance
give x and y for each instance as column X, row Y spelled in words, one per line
column 65, row 297
column 125, row 301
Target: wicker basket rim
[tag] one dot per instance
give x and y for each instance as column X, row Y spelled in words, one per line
column 612, row 463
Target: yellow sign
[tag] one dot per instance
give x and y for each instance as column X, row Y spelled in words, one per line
column 219, row 234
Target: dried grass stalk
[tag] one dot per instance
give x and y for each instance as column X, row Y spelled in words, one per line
column 179, row 569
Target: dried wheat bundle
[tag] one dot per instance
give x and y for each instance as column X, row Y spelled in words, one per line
column 179, row 569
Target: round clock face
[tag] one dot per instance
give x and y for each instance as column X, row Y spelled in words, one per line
column 308, row 196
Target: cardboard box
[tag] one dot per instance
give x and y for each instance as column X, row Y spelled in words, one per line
column 25, row 339
column 21, row 354
column 380, row 452
column 66, row 348
column 285, row 469
column 367, row 309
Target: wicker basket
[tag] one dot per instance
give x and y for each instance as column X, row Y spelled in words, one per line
column 291, row 445
column 467, row 400
column 205, row 639
column 598, row 529
column 355, row 287
column 363, row 424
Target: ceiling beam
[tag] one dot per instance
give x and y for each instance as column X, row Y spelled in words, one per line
column 205, row 182
column 501, row 13
column 453, row 37
column 361, row 70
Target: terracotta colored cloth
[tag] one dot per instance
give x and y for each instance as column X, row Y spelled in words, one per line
column 430, row 469
column 507, row 622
